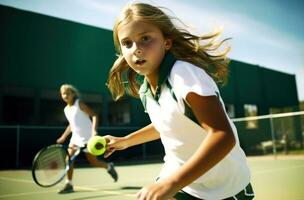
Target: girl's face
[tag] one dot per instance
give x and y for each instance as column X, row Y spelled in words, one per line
column 67, row 95
column 143, row 46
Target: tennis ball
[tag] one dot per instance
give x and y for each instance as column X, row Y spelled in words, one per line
column 97, row 145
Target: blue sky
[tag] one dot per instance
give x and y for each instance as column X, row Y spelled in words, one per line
column 266, row 33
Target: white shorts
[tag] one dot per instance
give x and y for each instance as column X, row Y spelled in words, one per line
column 79, row 139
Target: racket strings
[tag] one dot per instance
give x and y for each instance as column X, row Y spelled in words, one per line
column 51, row 166
column 49, row 158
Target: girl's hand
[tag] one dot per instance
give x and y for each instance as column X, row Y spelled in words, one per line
column 113, row 144
column 157, row 191
column 60, row 140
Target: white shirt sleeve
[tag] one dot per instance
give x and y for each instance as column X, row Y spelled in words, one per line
column 186, row 77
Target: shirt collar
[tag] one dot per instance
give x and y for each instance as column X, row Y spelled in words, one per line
column 165, row 68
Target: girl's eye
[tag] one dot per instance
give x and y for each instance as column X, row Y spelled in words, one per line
column 127, row 44
column 145, row 39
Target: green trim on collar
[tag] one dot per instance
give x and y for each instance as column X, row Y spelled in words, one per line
column 165, row 68
column 164, row 71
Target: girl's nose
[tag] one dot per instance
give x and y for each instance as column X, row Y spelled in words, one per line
column 137, row 50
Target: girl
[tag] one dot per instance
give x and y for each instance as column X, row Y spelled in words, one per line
column 78, row 115
column 203, row 157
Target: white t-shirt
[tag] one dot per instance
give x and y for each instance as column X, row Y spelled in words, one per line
column 181, row 136
column 80, row 123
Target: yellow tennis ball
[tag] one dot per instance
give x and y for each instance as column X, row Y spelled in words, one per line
column 97, row 145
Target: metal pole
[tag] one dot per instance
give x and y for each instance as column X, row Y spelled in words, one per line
column 144, row 149
column 274, row 149
column 17, row 146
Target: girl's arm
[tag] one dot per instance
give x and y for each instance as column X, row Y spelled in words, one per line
column 92, row 114
column 64, row 135
column 145, row 134
column 217, row 144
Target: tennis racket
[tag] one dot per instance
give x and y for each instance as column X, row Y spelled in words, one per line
column 51, row 164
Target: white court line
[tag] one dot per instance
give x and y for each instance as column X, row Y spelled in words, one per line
column 104, row 191
column 21, row 194
column 54, row 191
column 16, row 180
column 138, row 181
column 276, row 170
column 25, row 194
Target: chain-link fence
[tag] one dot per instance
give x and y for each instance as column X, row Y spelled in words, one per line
column 260, row 135
column 19, row 144
column 274, row 133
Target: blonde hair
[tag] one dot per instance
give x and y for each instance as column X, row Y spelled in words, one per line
column 72, row 88
column 185, row 46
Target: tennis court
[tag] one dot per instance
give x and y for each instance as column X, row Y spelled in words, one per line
column 280, row 178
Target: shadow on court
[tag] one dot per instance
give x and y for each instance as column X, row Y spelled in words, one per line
column 131, row 188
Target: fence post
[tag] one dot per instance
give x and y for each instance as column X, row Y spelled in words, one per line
column 17, row 146
column 274, row 149
column 144, row 149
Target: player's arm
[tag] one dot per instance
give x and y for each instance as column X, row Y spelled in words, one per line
column 64, row 135
column 217, row 144
column 92, row 114
column 143, row 135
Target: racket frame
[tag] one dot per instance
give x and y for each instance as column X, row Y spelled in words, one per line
column 67, row 167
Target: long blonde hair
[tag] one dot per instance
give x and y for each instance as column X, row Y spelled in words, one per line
column 72, row 88
column 185, row 46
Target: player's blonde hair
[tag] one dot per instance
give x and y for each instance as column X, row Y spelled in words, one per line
column 185, row 46
column 72, row 88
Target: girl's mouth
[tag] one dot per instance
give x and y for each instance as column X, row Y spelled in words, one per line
column 140, row 62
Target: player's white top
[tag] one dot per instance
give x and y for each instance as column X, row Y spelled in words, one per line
column 80, row 123
column 182, row 137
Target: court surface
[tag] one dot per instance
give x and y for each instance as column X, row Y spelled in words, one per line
column 280, row 179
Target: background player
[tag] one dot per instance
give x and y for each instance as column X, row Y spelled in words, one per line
column 82, row 128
